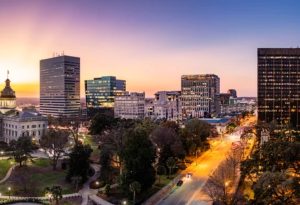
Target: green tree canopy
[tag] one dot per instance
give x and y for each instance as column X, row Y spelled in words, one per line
column 139, row 157
column 22, row 149
column 79, row 163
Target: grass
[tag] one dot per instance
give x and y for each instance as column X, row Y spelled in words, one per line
column 50, row 178
column 5, row 164
column 41, row 162
column 36, row 176
column 164, row 180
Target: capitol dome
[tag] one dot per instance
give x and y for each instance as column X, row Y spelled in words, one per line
column 8, row 92
column 7, row 98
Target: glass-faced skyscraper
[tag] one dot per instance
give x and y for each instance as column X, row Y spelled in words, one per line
column 279, row 86
column 100, row 92
column 60, row 86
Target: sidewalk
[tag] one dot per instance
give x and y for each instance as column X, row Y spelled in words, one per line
column 8, row 174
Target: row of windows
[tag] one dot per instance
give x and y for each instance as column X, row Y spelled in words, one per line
column 14, row 133
column 23, row 127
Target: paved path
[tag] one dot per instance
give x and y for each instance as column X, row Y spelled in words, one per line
column 8, row 174
column 86, row 191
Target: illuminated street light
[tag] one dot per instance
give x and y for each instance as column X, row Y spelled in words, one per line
column 124, row 202
column 227, row 183
column 9, row 190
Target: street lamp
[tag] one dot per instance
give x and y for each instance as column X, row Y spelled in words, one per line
column 49, row 196
column 124, row 202
column 9, row 190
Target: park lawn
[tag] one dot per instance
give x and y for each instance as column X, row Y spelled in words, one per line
column 39, row 162
column 40, row 175
column 163, row 181
column 5, row 164
column 50, row 178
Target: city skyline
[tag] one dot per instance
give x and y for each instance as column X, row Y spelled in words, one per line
column 148, row 44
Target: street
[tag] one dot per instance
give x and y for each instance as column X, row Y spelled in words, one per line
column 191, row 190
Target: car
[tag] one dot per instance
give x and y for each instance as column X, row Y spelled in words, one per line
column 189, row 175
column 179, row 183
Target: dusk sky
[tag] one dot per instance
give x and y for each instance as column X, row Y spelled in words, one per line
column 149, row 43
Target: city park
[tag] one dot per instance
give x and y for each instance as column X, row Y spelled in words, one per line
column 123, row 162
column 31, row 169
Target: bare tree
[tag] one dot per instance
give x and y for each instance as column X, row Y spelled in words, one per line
column 220, row 185
column 54, row 141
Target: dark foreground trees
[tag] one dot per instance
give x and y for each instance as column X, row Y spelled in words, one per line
column 79, row 163
column 168, row 143
column 139, row 157
column 22, row 149
column 194, row 136
column 276, row 188
column 54, row 193
column 273, row 169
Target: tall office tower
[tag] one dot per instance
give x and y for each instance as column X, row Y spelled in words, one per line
column 199, row 95
column 232, row 93
column 60, row 86
column 279, row 86
column 100, row 93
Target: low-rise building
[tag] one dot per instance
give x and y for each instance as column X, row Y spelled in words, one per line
column 149, row 108
column 25, row 123
column 130, row 106
column 13, row 123
column 219, row 123
column 237, row 105
column 167, row 105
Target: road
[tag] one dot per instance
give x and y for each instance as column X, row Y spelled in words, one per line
column 190, row 193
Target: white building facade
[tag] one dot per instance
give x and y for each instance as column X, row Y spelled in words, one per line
column 166, row 105
column 130, row 106
column 23, row 124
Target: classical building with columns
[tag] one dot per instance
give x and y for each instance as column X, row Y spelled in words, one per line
column 13, row 123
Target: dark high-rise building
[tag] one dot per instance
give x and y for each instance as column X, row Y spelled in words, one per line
column 100, row 93
column 60, row 86
column 232, row 93
column 279, row 86
column 200, row 95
